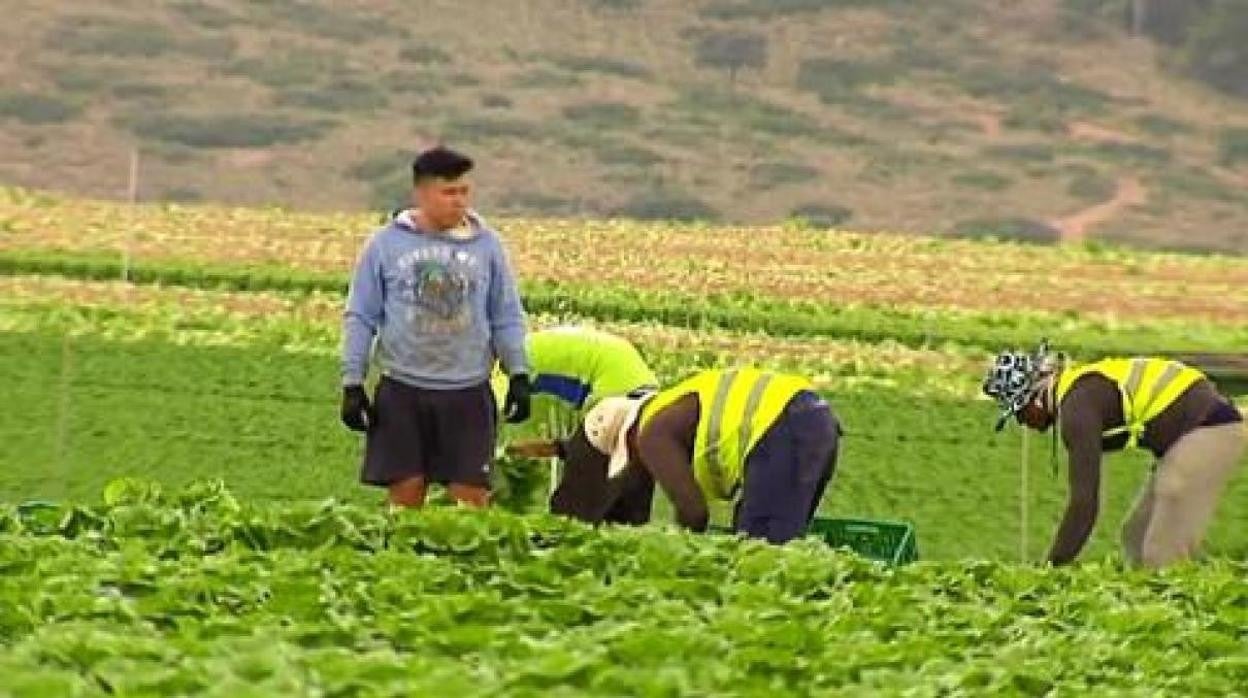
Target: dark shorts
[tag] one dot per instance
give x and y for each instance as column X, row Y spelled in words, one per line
column 788, row 471
column 444, row 436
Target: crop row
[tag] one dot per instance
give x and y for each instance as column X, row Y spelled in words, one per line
column 197, row 593
column 1078, row 334
column 311, row 323
column 777, row 263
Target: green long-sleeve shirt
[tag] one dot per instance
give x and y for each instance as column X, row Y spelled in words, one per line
column 578, row 366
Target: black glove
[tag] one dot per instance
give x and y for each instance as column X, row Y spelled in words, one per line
column 519, row 394
column 357, row 413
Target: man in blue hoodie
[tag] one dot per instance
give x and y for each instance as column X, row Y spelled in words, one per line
column 435, row 291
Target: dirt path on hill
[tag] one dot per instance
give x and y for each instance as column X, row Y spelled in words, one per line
column 1075, row 227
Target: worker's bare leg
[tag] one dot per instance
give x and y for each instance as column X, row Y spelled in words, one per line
column 410, row 492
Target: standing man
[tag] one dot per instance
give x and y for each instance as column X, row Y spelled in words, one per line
column 1196, row 435
column 767, row 441
column 573, row 368
column 435, row 289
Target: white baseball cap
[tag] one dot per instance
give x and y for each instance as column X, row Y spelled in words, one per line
column 607, row 425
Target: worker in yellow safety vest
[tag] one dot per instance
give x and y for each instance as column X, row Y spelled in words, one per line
column 1196, row 435
column 766, row 443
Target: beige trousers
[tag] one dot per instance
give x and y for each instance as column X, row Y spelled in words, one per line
column 1173, row 510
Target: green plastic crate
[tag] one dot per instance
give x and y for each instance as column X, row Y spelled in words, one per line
column 893, row 542
column 887, row 541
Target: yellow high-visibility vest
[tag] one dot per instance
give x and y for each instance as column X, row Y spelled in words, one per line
column 738, row 406
column 1148, row 387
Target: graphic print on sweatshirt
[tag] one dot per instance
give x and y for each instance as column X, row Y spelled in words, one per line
column 437, row 285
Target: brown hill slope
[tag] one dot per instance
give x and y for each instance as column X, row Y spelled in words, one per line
column 961, row 116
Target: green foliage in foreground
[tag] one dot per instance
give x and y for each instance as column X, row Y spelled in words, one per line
column 197, row 593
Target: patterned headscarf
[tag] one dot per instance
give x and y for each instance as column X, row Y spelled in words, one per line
column 1016, row 377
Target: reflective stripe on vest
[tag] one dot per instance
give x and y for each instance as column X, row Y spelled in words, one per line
column 1147, row 386
column 737, row 408
column 714, row 427
column 752, row 404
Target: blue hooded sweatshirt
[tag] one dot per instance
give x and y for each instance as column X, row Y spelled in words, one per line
column 442, row 307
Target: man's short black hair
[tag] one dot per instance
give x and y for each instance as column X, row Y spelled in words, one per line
column 440, row 163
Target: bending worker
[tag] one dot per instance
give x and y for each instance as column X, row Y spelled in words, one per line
column 1196, row 435
column 574, row 367
column 764, row 440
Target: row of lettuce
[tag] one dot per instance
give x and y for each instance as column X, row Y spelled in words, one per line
column 196, row 592
column 1084, row 335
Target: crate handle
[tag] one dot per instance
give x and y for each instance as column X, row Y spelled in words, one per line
column 905, row 539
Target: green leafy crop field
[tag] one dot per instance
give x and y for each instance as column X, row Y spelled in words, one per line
column 194, row 592
column 266, row 569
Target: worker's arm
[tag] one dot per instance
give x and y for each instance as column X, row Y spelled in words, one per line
column 506, row 315
column 363, row 315
column 1081, row 432
column 664, row 447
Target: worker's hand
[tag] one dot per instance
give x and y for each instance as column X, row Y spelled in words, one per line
column 519, row 395
column 533, row 449
column 357, row 413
